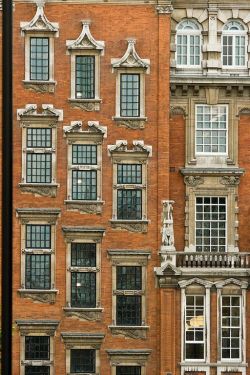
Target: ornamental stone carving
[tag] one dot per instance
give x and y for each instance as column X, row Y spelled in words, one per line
column 40, row 87
column 84, row 207
column 39, row 296
column 193, row 181
column 136, row 226
column 133, row 333
column 87, row 315
column 87, row 106
column 131, row 59
column 167, row 230
column 164, row 9
column 42, row 190
column 131, row 123
column 85, row 40
column 230, row 180
column 39, row 22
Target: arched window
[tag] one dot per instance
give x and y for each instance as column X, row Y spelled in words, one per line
column 234, row 44
column 188, row 41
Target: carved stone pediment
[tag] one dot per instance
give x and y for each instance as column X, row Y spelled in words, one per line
column 122, row 146
column 85, row 41
column 131, row 59
column 93, row 127
column 39, row 22
column 139, row 332
column 30, row 112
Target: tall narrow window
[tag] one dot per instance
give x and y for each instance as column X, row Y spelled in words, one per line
column 128, row 304
column 130, row 95
column 37, row 266
column 37, row 349
column 85, row 77
column 83, row 275
column 39, row 59
column 188, row 41
column 230, row 328
column 129, row 199
column 234, row 45
column 211, row 219
column 84, row 182
column 211, row 129
column 39, row 155
column 194, row 328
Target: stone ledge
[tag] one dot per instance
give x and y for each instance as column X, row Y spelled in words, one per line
column 86, row 207
column 130, row 225
column 134, row 332
column 44, row 296
column 40, row 86
column 46, row 190
column 131, row 122
column 87, row 105
column 89, row 314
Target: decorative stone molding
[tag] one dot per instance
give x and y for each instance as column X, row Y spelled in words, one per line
column 138, row 332
column 240, row 283
column 39, row 23
column 37, row 326
column 85, row 40
column 132, row 357
column 70, row 233
column 44, row 296
column 205, row 283
column 37, row 214
column 244, row 111
column 93, row 127
column 48, row 190
column 85, row 207
column 230, row 180
column 131, row 123
column 75, row 339
column 84, row 313
column 88, row 105
column 30, row 113
column 130, row 225
column 119, row 257
column 193, row 181
column 122, row 146
column 167, row 230
column 175, row 111
column 131, row 59
column 164, row 9
column 40, row 86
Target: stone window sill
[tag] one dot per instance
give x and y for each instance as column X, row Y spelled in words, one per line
column 130, row 225
column 47, row 190
column 88, row 105
column 87, row 207
column 131, row 122
column 45, row 296
column 40, row 86
column 90, row 314
column 134, row 332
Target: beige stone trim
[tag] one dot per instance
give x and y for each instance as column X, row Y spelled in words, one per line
column 128, row 357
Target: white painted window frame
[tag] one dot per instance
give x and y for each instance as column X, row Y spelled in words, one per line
column 234, row 34
column 188, row 33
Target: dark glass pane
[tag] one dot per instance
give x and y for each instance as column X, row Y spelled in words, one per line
column 85, row 77
column 82, row 360
column 130, row 95
column 38, row 168
column 128, row 277
column 37, row 347
column 128, row 370
column 38, row 236
column 129, row 174
column 39, row 137
column 84, row 185
column 37, row 370
column 129, row 204
column 128, row 310
column 194, row 351
column 83, row 289
column 39, row 59
column 84, row 154
column 37, row 271
column 83, row 254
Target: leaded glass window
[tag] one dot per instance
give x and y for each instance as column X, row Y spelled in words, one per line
column 85, row 77
column 37, row 347
column 129, row 204
column 39, row 137
column 129, row 173
column 130, row 95
column 84, row 154
column 39, row 59
column 188, row 41
column 84, row 185
column 231, row 327
column 211, row 221
column 82, row 361
column 38, row 236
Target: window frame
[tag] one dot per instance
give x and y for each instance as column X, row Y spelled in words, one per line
column 134, row 357
column 88, row 236
column 234, row 34
column 188, row 33
column 38, row 217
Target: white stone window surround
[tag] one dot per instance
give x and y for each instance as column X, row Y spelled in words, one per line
column 42, row 216
column 211, row 129
column 83, row 235
column 75, row 134
column 39, row 27
column 37, row 328
column 133, row 357
column 194, row 30
column 234, row 33
column 232, row 287
column 211, row 187
column 195, row 286
column 77, row 340
column 130, row 63
column 130, row 258
column 122, row 155
column 85, row 45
